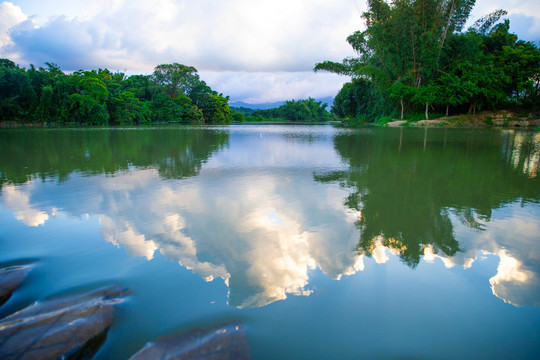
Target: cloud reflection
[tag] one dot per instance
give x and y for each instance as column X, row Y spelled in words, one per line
column 265, row 242
column 263, row 226
column 19, row 201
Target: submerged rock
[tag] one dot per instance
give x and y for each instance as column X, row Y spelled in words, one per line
column 73, row 325
column 10, row 279
column 223, row 342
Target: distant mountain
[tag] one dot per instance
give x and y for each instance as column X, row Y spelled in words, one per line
column 263, row 106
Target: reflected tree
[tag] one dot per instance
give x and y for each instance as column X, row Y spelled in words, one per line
column 410, row 185
column 56, row 153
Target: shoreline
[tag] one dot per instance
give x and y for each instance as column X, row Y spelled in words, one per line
column 487, row 119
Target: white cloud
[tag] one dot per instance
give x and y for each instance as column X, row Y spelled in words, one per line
column 210, row 35
column 263, row 87
column 10, row 15
column 18, row 199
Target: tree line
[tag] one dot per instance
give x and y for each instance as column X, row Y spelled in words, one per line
column 308, row 110
column 415, row 56
column 174, row 93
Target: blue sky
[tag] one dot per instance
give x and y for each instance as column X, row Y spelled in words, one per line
column 255, row 51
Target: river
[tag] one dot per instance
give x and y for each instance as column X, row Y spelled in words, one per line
column 326, row 243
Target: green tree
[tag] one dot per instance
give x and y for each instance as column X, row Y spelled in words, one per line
column 400, row 91
column 126, row 109
column 215, row 108
column 176, row 78
column 88, row 104
column 425, row 95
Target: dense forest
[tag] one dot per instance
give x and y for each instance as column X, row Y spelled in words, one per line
column 301, row 110
column 415, row 57
column 174, row 93
column 308, row 110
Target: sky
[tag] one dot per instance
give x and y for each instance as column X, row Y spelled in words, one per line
column 255, row 51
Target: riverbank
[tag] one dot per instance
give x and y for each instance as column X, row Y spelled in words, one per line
column 503, row 118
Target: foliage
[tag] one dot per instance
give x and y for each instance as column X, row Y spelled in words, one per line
column 414, row 55
column 238, row 116
column 360, row 98
column 173, row 94
column 215, row 108
column 176, row 78
column 242, row 110
column 301, row 110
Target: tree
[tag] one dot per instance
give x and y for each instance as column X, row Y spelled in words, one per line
column 425, row 95
column 402, row 45
column 126, row 109
column 176, row 78
column 402, row 92
column 88, row 104
column 356, row 98
column 215, row 108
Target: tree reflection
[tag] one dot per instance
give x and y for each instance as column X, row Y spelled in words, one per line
column 56, row 153
column 409, row 184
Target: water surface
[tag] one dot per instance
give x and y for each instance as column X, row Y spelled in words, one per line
column 326, row 243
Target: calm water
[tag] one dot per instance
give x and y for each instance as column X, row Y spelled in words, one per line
column 326, row 243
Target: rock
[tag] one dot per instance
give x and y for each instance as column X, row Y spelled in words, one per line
column 73, row 325
column 223, row 342
column 10, row 279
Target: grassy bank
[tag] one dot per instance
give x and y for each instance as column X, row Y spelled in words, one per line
column 502, row 118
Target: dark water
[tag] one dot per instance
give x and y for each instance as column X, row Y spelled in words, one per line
column 326, row 243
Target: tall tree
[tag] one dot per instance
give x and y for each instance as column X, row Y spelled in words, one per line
column 176, row 78
column 402, row 43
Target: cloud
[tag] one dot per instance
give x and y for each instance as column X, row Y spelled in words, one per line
column 210, row 35
column 10, row 16
column 522, row 21
column 528, row 27
column 263, row 87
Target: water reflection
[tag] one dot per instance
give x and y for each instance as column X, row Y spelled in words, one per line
column 258, row 222
column 57, row 153
column 414, row 200
column 261, row 208
column 19, row 202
